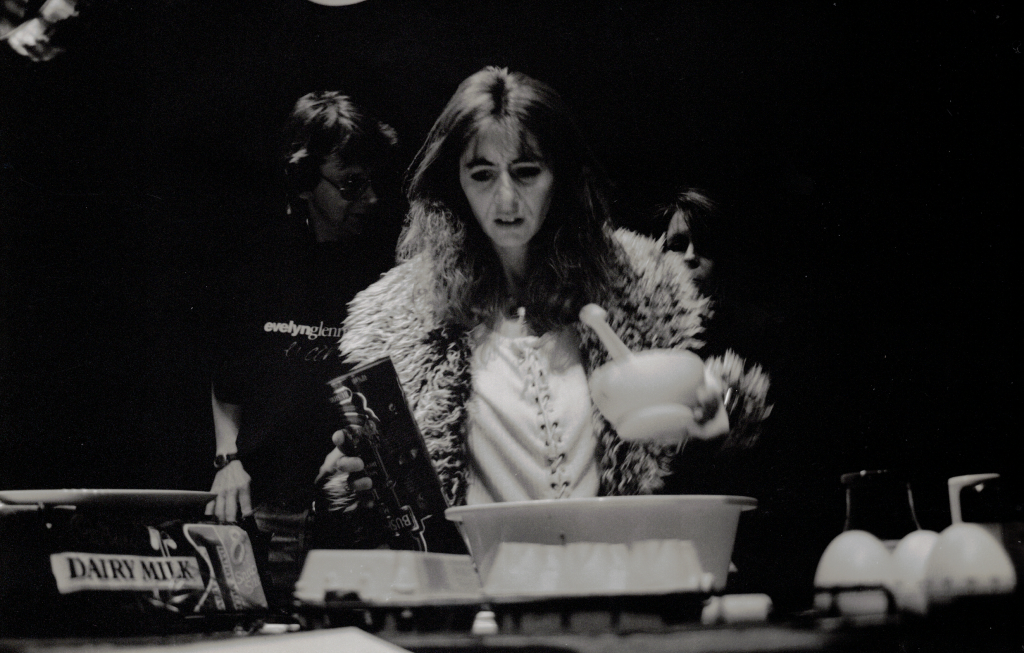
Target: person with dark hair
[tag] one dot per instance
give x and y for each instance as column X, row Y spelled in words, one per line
column 698, row 229
column 331, row 148
column 272, row 420
column 691, row 230
column 508, row 236
column 758, row 314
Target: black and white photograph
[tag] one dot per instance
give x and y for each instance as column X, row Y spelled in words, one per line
column 522, row 325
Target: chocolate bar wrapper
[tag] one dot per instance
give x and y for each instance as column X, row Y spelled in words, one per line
column 75, row 571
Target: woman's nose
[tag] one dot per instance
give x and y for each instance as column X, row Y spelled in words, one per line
column 506, row 193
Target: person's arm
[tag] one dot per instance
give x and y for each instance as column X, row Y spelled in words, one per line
column 231, row 484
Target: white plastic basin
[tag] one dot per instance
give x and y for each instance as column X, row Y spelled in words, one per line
column 708, row 521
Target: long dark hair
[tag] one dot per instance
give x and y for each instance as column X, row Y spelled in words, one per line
column 571, row 259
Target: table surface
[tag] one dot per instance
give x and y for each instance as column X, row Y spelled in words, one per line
column 832, row 635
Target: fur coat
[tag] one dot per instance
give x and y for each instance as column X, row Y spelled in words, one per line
column 654, row 305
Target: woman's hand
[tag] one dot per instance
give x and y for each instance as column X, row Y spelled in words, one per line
column 337, row 462
column 231, row 485
column 341, row 473
column 341, row 478
column 710, row 417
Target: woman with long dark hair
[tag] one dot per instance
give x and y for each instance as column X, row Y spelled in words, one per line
column 508, row 236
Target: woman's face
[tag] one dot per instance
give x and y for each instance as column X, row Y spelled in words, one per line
column 340, row 201
column 509, row 188
column 679, row 239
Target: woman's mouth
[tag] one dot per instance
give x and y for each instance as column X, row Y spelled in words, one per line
column 509, row 221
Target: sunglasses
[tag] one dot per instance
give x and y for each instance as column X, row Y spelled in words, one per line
column 677, row 243
column 352, row 187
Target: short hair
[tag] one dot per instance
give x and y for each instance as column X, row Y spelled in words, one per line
column 324, row 123
column 573, row 249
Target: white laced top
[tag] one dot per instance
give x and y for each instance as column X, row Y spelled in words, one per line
column 530, row 430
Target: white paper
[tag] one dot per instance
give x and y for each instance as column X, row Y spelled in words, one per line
column 335, row 640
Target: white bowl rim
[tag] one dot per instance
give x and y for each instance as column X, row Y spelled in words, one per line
column 455, row 513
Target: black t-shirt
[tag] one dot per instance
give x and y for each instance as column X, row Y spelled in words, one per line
column 283, row 319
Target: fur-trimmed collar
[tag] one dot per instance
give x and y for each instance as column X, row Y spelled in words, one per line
column 653, row 304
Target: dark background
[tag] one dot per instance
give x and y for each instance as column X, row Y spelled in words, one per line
column 872, row 159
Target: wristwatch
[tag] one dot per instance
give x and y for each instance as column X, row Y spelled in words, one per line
column 221, row 460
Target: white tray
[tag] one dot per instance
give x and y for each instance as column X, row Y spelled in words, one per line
column 384, row 577
column 118, row 498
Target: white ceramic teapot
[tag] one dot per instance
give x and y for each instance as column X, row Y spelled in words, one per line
column 648, row 395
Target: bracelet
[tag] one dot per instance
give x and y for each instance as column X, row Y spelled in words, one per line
column 731, row 400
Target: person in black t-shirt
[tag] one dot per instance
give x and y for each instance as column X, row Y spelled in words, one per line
column 272, row 418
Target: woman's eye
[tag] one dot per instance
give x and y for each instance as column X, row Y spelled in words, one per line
column 481, row 175
column 677, row 244
column 527, row 173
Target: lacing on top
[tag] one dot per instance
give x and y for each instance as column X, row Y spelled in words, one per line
column 537, row 391
column 530, row 432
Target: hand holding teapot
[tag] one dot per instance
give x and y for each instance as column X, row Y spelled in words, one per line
column 658, row 395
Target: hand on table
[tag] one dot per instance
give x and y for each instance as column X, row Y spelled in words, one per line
column 231, row 485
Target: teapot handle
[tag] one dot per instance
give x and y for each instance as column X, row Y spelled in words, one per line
column 596, row 318
column 958, row 483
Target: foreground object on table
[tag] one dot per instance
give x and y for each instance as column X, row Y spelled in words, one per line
column 910, row 560
column 981, row 499
column 484, row 623
column 708, row 521
column 736, row 609
column 596, row 568
column 967, row 561
column 384, row 577
column 121, row 565
column 854, row 576
column 858, row 576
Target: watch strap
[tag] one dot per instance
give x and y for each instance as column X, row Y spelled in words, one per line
column 222, row 460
